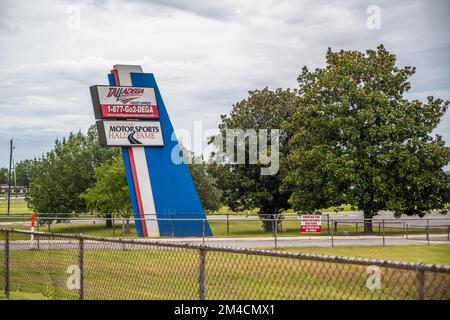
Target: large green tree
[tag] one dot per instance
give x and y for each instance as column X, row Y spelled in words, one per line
column 59, row 177
column 210, row 195
column 110, row 192
column 23, row 172
column 3, row 175
column 242, row 184
column 357, row 139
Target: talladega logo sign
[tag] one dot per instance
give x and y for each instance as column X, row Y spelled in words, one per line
column 124, row 102
column 130, row 133
column 125, row 95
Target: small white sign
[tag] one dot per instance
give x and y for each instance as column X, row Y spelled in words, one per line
column 130, row 133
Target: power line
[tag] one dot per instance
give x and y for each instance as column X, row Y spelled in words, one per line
column 30, row 142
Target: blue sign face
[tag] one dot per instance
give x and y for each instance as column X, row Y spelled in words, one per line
column 163, row 195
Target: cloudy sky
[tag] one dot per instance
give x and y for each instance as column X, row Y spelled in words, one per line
column 205, row 56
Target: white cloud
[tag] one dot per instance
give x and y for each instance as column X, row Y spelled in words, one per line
column 205, row 56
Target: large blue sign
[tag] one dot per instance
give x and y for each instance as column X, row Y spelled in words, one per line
column 163, row 195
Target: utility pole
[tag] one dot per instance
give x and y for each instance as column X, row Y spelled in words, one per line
column 9, row 174
column 15, row 177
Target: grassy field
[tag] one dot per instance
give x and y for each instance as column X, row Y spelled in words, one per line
column 240, row 229
column 158, row 273
column 250, row 228
column 227, row 210
column 18, row 205
column 433, row 253
column 18, row 295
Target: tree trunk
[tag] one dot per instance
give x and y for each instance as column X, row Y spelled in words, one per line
column 127, row 226
column 268, row 221
column 368, row 223
column 109, row 223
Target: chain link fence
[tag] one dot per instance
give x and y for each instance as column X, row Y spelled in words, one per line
column 61, row 266
column 286, row 229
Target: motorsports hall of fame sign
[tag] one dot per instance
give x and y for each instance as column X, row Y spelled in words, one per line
column 130, row 113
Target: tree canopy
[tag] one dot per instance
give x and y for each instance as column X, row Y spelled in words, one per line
column 23, row 172
column 3, row 175
column 59, row 177
column 357, row 139
column 242, row 185
column 110, row 192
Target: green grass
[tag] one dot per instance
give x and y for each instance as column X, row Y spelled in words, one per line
column 159, row 273
column 344, row 207
column 96, row 230
column 227, row 210
column 18, row 205
column 18, row 295
column 244, row 229
column 290, row 228
column 433, row 253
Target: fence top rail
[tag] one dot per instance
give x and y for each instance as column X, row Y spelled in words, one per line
column 65, row 215
column 270, row 253
column 173, row 216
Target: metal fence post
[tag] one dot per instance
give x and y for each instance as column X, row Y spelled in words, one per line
column 448, row 232
column 81, row 266
column 113, row 226
column 328, row 223
column 384, row 241
column 428, row 231
column 276, row 233
column 332, row 235
column 356, row 227
column 228, row 224
column 7, row 265
column 202, row 274
column 407, row 231
column 404, row 229
column 203, row 231
column 420, row 282
column 173, row 226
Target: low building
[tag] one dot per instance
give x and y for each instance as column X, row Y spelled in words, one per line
column 15, row 190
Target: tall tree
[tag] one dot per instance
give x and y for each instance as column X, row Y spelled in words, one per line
column 210, row 195
column 357, row 139
column 242, row 184
column 23, row 172
column 110, row 192
column 3, row 175
column 59, row 177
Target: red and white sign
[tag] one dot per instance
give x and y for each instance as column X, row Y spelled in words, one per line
column 311, row 223
column 124, row 102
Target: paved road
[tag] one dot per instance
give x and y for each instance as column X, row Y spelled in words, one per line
column 316, row 243
column 349, row 217
column 239, row 243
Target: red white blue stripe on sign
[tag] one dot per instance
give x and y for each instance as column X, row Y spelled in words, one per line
column 163, row 195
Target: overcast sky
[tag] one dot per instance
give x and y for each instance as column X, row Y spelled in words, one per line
column 205, row 56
